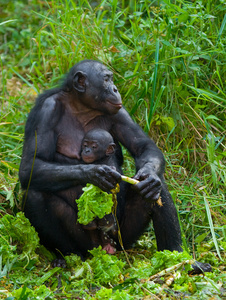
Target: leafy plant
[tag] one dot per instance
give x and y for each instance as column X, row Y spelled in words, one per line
column 18, row 239
column 106, row 268
column 93, row 203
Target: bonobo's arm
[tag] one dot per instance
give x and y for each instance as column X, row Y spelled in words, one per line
column 47, row 175
column 149, row 160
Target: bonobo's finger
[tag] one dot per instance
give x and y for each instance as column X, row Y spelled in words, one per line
column 113, row 177
column 116, row 175
column 153, row 196
column 102, row 183
column 104, row 177
column 149, row 183
column 105, row 185
column 149, row 188
column 142, row 185
column 110, row 174
column 140, row 175
column 107, row 178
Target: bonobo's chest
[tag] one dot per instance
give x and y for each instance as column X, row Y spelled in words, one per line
column 70, row 133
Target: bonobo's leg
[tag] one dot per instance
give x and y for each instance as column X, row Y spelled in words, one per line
column 135, row 214
column 167, row 229
column 56, row 223
column 166, row 223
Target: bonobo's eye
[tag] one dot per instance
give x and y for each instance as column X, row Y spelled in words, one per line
column 84, row 145
column 108, row 77
column 94, row 146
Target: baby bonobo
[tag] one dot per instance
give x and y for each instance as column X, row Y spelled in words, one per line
column 98, row 147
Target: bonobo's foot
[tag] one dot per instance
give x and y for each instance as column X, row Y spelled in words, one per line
column 109, row 249
column 108, row 244
column 199, row 268
column 59, row 262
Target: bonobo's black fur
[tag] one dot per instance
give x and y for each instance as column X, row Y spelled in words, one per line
column 55, row 128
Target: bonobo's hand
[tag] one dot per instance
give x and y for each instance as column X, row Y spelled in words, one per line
column 103, row 176
column 150, row 184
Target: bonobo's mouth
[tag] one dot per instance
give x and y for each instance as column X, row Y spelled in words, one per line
column 118, row 105
column 87, row 159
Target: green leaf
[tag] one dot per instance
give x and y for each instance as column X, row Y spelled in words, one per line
column 93, row 203
column 169, row 122
column 106, row 268
column 201, row 237
column 47, row 275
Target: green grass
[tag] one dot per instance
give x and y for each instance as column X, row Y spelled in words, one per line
column 168, row 59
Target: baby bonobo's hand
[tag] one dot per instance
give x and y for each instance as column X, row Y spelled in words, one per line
column 149, row 186
column 103, row 176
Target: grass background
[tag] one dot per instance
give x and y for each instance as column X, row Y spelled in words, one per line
column 168, row 59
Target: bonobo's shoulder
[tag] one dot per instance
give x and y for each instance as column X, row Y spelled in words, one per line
column 49, row 105
column 47, row 100
column 47, row 111
column 51, row 109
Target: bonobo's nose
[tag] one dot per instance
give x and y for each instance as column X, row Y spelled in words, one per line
column 115, row 90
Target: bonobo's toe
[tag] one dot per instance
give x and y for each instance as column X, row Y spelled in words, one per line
column 199, row 268
column 59, row 262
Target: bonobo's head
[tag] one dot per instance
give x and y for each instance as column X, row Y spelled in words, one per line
column 93, row 85
column 96, row 145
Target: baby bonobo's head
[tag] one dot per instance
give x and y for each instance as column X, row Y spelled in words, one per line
column 97, row 145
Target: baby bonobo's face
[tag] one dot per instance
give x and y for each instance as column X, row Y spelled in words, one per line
column 91, row 151
column 97, row 145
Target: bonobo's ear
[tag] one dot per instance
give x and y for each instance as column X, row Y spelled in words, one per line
column 79, row 81
column 110, row 149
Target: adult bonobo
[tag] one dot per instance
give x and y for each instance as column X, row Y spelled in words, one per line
column 53, row 174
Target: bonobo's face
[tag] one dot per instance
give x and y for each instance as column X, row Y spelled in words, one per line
column 97, row 145
column 92, row 151
column 109, row 97
column 99, row 91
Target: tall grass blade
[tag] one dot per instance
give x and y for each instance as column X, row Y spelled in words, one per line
column 222, row 28
column 158, row 99
column 151, row 111
column 209, row 95
column 154, row 79
column 211, row 227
